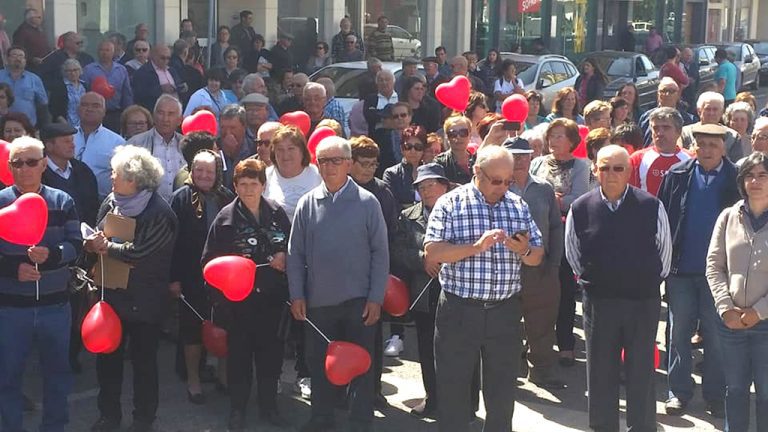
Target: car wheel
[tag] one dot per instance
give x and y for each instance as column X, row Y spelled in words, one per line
column 756, row 83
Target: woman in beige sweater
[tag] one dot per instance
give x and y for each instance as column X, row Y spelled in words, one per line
column 737, row 272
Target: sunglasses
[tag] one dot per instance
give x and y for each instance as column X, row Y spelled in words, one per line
column 260, row 143
column 456, row 133
column 18, row 163
column 332, row 160
column 667, row 91
column 350, row 42
column 401, row 115
column 496, row 182
column 368, row 165
column 417, row 147
column 615, row 168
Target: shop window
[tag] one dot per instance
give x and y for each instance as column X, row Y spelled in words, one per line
column 97, row 18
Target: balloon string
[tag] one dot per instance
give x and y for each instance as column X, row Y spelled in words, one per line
column 423, row 290
column 314, row 326
column 184, row 299
column 262, row 265
column 101, row 268
column 37, row 286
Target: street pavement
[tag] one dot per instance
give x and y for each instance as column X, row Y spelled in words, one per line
column 535, row 410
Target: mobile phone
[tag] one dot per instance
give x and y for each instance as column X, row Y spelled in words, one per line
column 511, row 126
column 521, row 233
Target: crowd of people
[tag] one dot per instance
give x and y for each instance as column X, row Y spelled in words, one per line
column 497, row 222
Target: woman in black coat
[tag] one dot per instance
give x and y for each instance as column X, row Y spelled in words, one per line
column 196, row 204
column 256, row 228
column 591, row 83
column 143, row 304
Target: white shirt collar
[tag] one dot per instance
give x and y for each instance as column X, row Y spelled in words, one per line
column 613, row 206
column 65, row 173
column 337, row 194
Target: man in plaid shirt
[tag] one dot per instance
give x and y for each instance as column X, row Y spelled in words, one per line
column 481, row 233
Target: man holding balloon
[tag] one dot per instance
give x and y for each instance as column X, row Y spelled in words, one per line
column 334, row 288
column 34, row 300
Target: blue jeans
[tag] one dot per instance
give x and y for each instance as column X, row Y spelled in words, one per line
column 745, row 358
column 48, row 328
column 690, row 300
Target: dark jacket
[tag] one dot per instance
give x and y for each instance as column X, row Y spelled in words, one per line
column 147, row 297
column 407, row 257
column 236, row 232
column 428, row 115
column 81, row 186
column 399, row 180
column 282, row 61
column 146, row 85
column 50, row 69
column 674, row 193
column 385, row 140
column 367, row 85
column 389, row 207
column 58, row 98
column 595, row 87
column 452, row 170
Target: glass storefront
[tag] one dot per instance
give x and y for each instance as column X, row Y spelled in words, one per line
column 405, row 21
column 96, row 18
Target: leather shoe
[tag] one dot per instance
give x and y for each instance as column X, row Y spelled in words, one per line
column 273, row 417
column 380, row 402
column 105, row 424
column 674, row 406
column 548, row 383
column 716, row 409
column 424, row 410
column 236, row 421
column 196, row 398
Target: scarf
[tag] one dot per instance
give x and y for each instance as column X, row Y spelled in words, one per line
column 132, row 205
column 214, row 199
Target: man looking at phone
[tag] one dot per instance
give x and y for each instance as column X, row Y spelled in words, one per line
column 482, row 234
column 617, row 241
column 541, row 285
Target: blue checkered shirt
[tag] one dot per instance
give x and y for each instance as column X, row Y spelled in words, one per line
column 461, row 217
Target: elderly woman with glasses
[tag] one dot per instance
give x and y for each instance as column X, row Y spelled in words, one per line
column 455, row 161
column 740, row 117
column 400, row 178
column 65, row 93
column 569, row 177
column 142, row 305
column 256, row 228
column 135, row 120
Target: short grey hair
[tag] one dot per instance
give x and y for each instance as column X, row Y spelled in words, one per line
column 233, row 111
column 168, row 98
column 384, row 72
column 249, row 82
column 24, row 143
column 330, row 87
column 270, row 126
column 373, row 61
column 137, row 165
column 667, row 114
column 71, row 63
column 612, row 150
column 740, row 107
column 708, row 97
column 761, row 122
column 313, row 86
column 489, row 154
column 335, row 142
column 534, row 134
column 99, row 97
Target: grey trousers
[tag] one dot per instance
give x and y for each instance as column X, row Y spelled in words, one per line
column 464, row 328
column 541, row 302
column 610, row 325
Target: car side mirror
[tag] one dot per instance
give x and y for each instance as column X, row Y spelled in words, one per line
column 703, row 62
column 748, row 59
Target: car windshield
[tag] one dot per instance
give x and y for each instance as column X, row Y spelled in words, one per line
column 345, row 79
column 616, row 66
column 525, row 72
column 761, row 48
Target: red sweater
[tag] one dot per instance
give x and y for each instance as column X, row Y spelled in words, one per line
column 673, row 71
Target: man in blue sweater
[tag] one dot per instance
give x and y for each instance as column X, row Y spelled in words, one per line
column 694, row 193
column 338, row 263
column 34, row 300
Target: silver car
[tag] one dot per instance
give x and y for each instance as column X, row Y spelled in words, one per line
column 547, row 74
column 747, row 63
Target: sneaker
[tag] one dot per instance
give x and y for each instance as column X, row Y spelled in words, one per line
column 394, row 347
column 304, row 387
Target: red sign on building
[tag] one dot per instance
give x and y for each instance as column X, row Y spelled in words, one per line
column 528, row 6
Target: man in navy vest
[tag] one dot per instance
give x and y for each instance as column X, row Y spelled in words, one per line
column 694, row 193
column 617, row 241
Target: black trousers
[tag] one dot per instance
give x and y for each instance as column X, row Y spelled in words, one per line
column 341, row 322
column 258, row 345
column 425, row 336
column 610, row 325
column 566, row 313
column 462, row 329
column 144, row 338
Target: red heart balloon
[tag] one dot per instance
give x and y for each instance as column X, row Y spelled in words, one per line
column 24, row 221
column 344, row 361
column 472, row 148
column 215, row 339
column 515, row 108
column 581, row 149
column 656, row 356
column 318, row 135
column 233, row 275
column 202, row 120
column 101, row 86
column 455, row 93
column 5, row 171
column 396, row 298
column 102, row 330
column 300, row 119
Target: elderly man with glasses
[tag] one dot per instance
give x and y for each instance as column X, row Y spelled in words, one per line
column 668, row 95
column 156, row 78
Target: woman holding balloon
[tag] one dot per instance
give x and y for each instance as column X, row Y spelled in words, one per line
column 196, row 204
column 255, row 228
column 142, row 305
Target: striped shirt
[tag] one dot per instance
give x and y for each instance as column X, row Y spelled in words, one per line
column 663, row 238
column 461, row 217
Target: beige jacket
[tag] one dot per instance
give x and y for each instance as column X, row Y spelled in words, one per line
column 737, row 263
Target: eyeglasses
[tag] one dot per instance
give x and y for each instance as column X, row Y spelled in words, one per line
column 260, row 143
column 332, row 160
column 400, row 115
column 456, row 133
column 368, row 165
column 667, row 91
column 496, row 182
column 417, row 147
column 141, row 49
column 615, row 168
column 18, row 163
column 761, row 137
